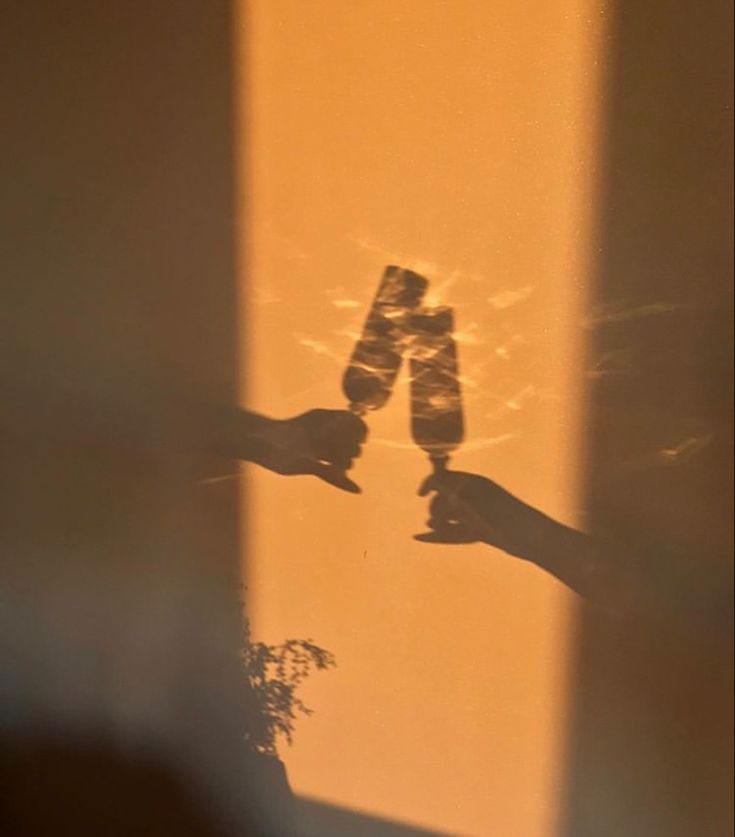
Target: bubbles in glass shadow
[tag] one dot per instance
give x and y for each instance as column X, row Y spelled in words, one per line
column 437, row 415
column 372, row 370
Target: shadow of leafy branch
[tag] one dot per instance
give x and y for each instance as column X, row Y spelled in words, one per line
column 274, row 674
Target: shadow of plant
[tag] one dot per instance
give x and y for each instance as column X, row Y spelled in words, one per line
column 274, row 674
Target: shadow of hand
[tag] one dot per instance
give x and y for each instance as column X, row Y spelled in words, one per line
column 467, row 508
column 319, row 442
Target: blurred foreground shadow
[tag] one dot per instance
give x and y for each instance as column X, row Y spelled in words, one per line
column 651, row 745
column 50, row 788
column 123, row 707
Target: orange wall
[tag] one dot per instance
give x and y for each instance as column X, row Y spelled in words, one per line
column 458, row 139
